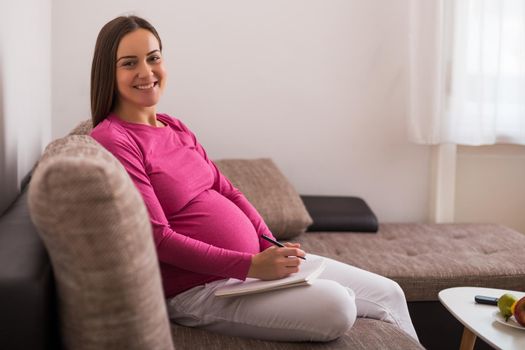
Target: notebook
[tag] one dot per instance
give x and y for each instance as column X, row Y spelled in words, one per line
column 308, row 271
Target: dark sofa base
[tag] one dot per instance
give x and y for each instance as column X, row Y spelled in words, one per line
column 27, row 291
column 437, row 328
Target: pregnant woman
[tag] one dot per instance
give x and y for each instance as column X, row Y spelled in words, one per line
column 205, row 230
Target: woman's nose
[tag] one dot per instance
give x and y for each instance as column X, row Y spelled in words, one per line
column 144, row 70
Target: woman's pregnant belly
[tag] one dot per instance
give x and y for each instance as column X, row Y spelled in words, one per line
column 214, row 219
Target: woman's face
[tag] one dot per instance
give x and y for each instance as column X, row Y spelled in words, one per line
column 140, row 70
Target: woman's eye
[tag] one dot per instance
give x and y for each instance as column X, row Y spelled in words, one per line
column 154, row 58
column 128, row 64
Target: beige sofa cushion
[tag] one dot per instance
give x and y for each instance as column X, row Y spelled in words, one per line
column 270, row 193
column 426, row 258
column 82, row 128
column 98, row 235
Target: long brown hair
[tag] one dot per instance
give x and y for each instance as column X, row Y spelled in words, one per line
column 103, row 68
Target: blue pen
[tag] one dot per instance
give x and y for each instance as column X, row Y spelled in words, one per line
column 279, row 244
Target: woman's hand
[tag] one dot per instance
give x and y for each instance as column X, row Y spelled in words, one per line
column 274, row 262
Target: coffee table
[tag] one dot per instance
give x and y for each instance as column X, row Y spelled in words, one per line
column 479, row 320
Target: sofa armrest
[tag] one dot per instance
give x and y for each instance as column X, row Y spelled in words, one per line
column 96, row 228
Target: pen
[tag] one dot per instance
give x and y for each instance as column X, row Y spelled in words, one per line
column 279, row 244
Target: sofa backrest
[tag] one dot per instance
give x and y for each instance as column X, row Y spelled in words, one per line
column 96, row 229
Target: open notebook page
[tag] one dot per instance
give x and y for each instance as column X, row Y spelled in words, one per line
column 308, row 271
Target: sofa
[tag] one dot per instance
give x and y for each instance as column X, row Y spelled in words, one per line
column 78, row 267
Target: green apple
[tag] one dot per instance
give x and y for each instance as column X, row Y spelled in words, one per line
column 505, row 303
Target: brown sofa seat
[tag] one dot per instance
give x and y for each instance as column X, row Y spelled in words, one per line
column 365, row 334
column 425, row 258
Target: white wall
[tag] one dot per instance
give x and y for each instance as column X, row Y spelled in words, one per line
column 319, row 86
column 25, row 90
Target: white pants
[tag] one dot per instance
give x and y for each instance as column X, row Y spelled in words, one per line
column 321, row 312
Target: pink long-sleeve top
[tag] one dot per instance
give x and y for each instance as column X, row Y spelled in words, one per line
column 203, row 227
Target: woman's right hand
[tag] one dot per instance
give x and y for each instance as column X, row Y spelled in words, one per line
column 274, row 263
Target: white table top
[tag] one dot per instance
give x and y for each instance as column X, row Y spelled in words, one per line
column 480, row 318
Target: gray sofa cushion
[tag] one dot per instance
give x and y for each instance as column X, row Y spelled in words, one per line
column 270, row 193
column 364, row 335
column 96, row 229
column 82, row 128
column 425, row 258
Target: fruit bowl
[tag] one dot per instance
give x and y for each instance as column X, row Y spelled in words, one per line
column 511, row 321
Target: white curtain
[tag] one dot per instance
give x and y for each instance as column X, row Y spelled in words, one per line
column 467, row 76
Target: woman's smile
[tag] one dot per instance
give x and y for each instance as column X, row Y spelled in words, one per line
column 147, row 86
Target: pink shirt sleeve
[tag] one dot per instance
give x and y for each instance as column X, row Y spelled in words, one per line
column 174, row 248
